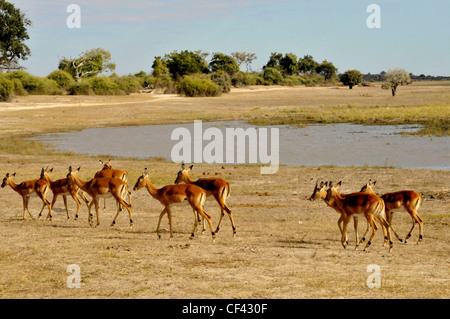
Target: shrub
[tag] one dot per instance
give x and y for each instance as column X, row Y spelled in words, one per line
column 128, row 84
column 6, row 90
column 223, row 80
column 244, row 79
column 272, row 76
column 34, row 84
column 80, row 88
column 18, row 87
column 62, row 78
column 197, row 86
column 104, row 86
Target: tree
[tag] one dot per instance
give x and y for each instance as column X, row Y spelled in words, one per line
column 394, row 78
column 307, row 65
column 351, row 78
column 186, row 62
column 288, row 64
column 244, row 57
column 223, row 62
column 13, row 34
column 159, row 67
column 274, row 60
column 90, row 63
column 327, row 69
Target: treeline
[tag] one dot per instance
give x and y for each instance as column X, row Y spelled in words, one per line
column 422, row 77
column 187, row 73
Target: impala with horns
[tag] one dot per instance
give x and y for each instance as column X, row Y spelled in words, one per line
column 60, row 187
column 215, row 187
column 171, row 195
column 365, row 204
column 30, row 188
column 102, row 188
column 408, row 200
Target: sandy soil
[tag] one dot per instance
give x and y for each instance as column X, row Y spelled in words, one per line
column 286, row 246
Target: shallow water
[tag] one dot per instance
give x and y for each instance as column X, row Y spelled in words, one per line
column 311, row 145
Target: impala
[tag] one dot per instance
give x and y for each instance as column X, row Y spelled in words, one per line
column 216, row 187
column 102, row 187
column 321, row 192
column 171, row 195
column 366, row 204
column 27, row 189
column 408, row 200
column 108, row 171
column 60, row 187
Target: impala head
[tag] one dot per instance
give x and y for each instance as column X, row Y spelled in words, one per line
column 332, row 189
column 141, row 180
column 106, row 165
column 182, row 174
column 71, row 174
column 319, row 191
column 7, row 179
column 44, row 173
column 368, row 187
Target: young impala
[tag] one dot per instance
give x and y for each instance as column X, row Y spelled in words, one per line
column 108, row 171
column 102, row 187
column 216, row 187
column 171, row 195
column 408, row 200
column 366, row 204
column 60, row 187
column 27, row 189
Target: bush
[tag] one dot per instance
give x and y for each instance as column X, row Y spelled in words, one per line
column 128, row 84
column 80, row 88
column 244, row 79
column 223, row 80
column 18, row 87
column 104, row 86
column 62, row 78
column 197, row 86
column 35, row 85
column 272, row 76
column 6, row 90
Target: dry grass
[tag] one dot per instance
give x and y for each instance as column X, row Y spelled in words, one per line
column 286, row 246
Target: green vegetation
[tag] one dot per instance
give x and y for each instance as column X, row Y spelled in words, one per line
column 434, row 117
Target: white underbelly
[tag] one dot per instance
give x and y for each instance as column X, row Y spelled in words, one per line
column 181, row 204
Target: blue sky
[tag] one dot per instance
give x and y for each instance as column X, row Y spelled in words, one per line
column 414, row 34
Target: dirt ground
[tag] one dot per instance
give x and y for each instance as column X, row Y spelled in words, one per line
column 286, row 246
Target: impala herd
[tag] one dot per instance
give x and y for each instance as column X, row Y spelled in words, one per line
column 109, row 182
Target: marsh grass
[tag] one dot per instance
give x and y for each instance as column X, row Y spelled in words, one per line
column 434, row 117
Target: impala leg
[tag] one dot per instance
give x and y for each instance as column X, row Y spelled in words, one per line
column 159, row 221
column 363, row 239
column 90, row 216
column 389, row 216
column 370, row 220
column 344, row 239
column 42, row 209
column 223, row 206
column 208, row 219
column 355, row 224
column 78, row 202
column 96, row 211
column 384, row 230
column 169, row 216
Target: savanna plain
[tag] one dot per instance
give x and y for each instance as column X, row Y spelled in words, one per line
column 286, row 246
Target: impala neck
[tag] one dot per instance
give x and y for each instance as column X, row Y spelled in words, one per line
column 189, row 180
column 79, row 182
column 151, row 189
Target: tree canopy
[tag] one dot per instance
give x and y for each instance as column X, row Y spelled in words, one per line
column 13, row 34
column 89, row 63
column 351, row 78
column 394, row 78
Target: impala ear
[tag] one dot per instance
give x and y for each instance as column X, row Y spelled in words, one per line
column 145, row 172
column 14, row 174
column 338, row 184
column 70, row 169
column 190, row 167
column 7, row 175
column 51, row 169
